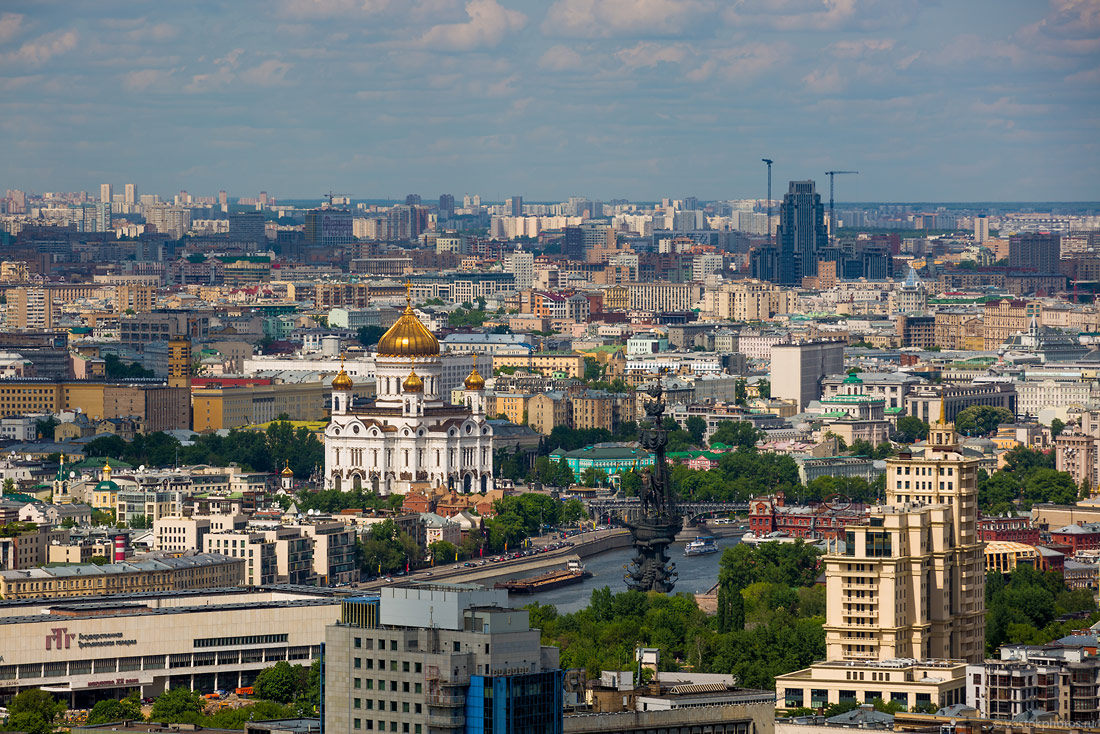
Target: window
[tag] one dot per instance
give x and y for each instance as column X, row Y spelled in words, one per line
column 355, row 703
column 357, row 663
column 358, row 642
column 417, row 668
column 356, row 724
column 356, row 683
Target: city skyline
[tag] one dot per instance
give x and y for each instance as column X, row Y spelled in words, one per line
column 631, row 100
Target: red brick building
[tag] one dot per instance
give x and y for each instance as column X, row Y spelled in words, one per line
column 812, row 522
column 1077, row 537
column 1014, row 529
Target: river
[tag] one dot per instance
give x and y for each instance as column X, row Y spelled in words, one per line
column 697, row 574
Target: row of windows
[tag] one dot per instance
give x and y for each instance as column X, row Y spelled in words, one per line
column 358, row 663
column 368, row 684
column 236, row 641
column 368, row 704
column 359, row 724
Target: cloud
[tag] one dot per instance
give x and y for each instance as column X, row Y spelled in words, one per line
column 741, row 63
column 625, row 18
column 820, row 15
column 488, row 25
column 1071, row 27
column 860, row 49
column 561, row 58
column 45, row 47
column 331, row 8
column 270, row 73
column 648, row 54
column 142, row 79
column 9, row 26
column 1009, row 107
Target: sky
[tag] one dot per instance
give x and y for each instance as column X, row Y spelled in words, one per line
column 930, row 100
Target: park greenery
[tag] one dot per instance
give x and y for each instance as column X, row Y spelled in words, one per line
column 1028, row 477
column 116, row 369
column 781, row 632
column 981, row 420
column 262, row 451
column 282, row 691
column 1034, row 607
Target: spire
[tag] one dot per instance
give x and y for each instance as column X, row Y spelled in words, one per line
column 408, row 294
column 943, row 409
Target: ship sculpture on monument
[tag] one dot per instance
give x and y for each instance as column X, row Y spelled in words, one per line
column 655, row 528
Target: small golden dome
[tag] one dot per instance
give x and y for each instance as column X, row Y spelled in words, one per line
column 286, row 472
column 474, row 380
column 342, row 381
column 413, row 383
column 408, row 337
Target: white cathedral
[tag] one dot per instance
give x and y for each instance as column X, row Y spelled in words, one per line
column 408, row 435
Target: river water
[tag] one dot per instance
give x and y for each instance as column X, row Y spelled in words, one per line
column 697, row 575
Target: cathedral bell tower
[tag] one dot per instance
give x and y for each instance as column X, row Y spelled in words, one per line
column 341, row 391
column 413, row 398
column 475, row 390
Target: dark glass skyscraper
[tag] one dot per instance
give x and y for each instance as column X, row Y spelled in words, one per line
column 802, row 234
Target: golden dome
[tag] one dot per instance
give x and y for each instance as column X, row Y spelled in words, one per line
column 286, row 472
column 474, row 380
column 342, row 381
column 408, row 337
column 413, row 383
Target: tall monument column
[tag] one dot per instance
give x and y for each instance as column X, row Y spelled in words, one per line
column 656, row 526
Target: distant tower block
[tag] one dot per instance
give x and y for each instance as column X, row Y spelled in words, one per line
column 179, row 363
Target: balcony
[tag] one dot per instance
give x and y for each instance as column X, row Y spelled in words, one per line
column 440, row 699
column 446, row 721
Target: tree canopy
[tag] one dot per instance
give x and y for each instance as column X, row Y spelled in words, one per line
column 980, row 420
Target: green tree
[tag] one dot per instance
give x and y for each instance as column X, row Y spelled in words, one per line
column 139, row 522
column 1057, row 425
column 34, row 711
column 369, row 335
column 740, row 392
column 506, row 531
column 572, row 511
column 45, row 428
column 593, row 477
column 443, row 551
column 630, row 483
column 736, row 433
column 278, row 683
column 697, row 427
column 764, row 389
column 592, row 370
column 980, row 420
column 911, row 429
column 177, row 706
column 109, row 710
column 116, row 369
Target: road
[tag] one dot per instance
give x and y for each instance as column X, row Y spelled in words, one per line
column 455, row 573
column 485, row 571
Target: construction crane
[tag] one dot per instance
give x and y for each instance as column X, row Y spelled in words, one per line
column 330, row 196
column 832, row 179
column 769, row 162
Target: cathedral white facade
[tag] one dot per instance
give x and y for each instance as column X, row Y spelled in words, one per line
column 408, row 435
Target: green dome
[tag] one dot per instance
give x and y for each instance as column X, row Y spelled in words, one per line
column 107, row 486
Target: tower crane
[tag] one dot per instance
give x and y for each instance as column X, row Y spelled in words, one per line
column 832, row 180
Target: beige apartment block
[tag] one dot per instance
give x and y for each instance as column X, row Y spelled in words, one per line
column 906, row 593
